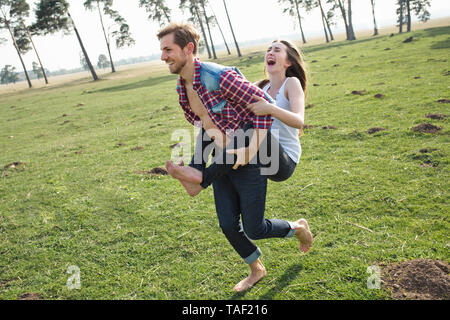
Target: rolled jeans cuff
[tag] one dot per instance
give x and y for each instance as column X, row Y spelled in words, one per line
column 291, row 232
column 253, row 257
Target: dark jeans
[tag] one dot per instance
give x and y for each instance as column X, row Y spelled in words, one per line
column 224, row 162
column 243, row 192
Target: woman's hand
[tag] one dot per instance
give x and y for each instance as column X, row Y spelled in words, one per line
column 261, row 107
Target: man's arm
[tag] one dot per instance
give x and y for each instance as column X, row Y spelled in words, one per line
column 239, row 90
column 236, row 88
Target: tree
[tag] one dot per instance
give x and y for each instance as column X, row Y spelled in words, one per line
column 325, row 18
column 232, row 32
column 220, row 29
column 351, row 32
column 103, row 62
column 12, row 11
column 401, row 14
column 420, row 8
column 53, row 16
column 157, row 9
column 8, row 75
column 196, row 19
column 292, row 7
column 375, row 29
column 122, row 35
column 202, row 3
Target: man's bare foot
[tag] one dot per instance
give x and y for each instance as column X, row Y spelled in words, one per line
column 258, row 271
column 186, row 173
column 304, row 235
column 192, row 189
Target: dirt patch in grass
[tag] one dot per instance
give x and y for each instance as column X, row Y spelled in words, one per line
column 375, row 129
column 137, row 148
column 426, row 128
column 444, row 101
column 428, row 150
column 436, row 116
column 29, row 296
column 410, row 39
column 379, row 96
column 358, row 93
column 158, row 171
column 329, row 127
column 14, row 165
column 308, row 126
column 421, row 279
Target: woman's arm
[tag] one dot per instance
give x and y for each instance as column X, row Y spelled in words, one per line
column 293, row 118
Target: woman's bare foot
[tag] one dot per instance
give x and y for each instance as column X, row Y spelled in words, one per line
column 257, row 272
column 304, row 235
column 185, row 173
column 192, row 189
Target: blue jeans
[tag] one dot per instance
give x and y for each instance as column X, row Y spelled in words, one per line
column 242, row 192
column 204, row 146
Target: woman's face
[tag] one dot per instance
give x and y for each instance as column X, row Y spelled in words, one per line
column 276, row 58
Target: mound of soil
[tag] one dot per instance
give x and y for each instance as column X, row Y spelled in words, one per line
column 137, row 148
column 426, row 128
column 375, row 129
column 14, row 165
column 329, row 127
column 436, row 116
column 427, row 150
column 308, row 126
column 359, row 93
column 444, row 101
column 422, row 279
column 30, row 296
column 410, row 39
column 154, row 171
column 309, row 106
column 379, row 96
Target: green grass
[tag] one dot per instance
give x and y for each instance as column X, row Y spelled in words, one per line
column 78, row 201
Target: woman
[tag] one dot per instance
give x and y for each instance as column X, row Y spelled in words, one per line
column 287, row 86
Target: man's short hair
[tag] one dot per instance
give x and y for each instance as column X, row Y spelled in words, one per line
column 183, row 34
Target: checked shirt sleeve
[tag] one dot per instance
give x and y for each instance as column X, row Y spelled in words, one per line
column 239, row 90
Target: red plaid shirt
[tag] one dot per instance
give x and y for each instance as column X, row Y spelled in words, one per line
column 235, row 90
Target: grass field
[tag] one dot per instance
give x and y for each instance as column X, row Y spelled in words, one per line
column 74, row 198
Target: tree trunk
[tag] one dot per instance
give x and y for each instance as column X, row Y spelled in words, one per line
column 106, row 39
column 91, row 68
column 350, row 24
column 325, row 29
column 232, row 32
column 18, row 52
column 344, row 16
column 375, row 29
column 326, row 20
column 300, row 21
column 203, row 31
column 401, row 16
column 408, row 9
column 209, row 30
column 220, row 29
column 37, row 55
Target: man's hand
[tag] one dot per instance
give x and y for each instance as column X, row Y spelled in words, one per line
column 261, row 107
column 244, row 155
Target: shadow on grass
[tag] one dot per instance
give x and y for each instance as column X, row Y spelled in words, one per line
column 438, row 31
column 289, row 275
column 445, row 44
column 139, row 84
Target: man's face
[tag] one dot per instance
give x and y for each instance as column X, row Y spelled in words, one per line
column 172, row 54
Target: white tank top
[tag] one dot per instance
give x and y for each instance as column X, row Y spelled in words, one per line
column 286, row 135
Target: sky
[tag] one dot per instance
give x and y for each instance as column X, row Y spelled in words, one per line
column 251, row 19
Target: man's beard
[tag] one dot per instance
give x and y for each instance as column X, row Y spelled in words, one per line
column 179, row 67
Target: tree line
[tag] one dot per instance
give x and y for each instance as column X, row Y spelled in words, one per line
column 52, row 16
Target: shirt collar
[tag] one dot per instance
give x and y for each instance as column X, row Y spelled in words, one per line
column 197, row 65
column 196, row 82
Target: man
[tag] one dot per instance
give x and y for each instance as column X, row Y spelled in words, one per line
column 217, row 97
